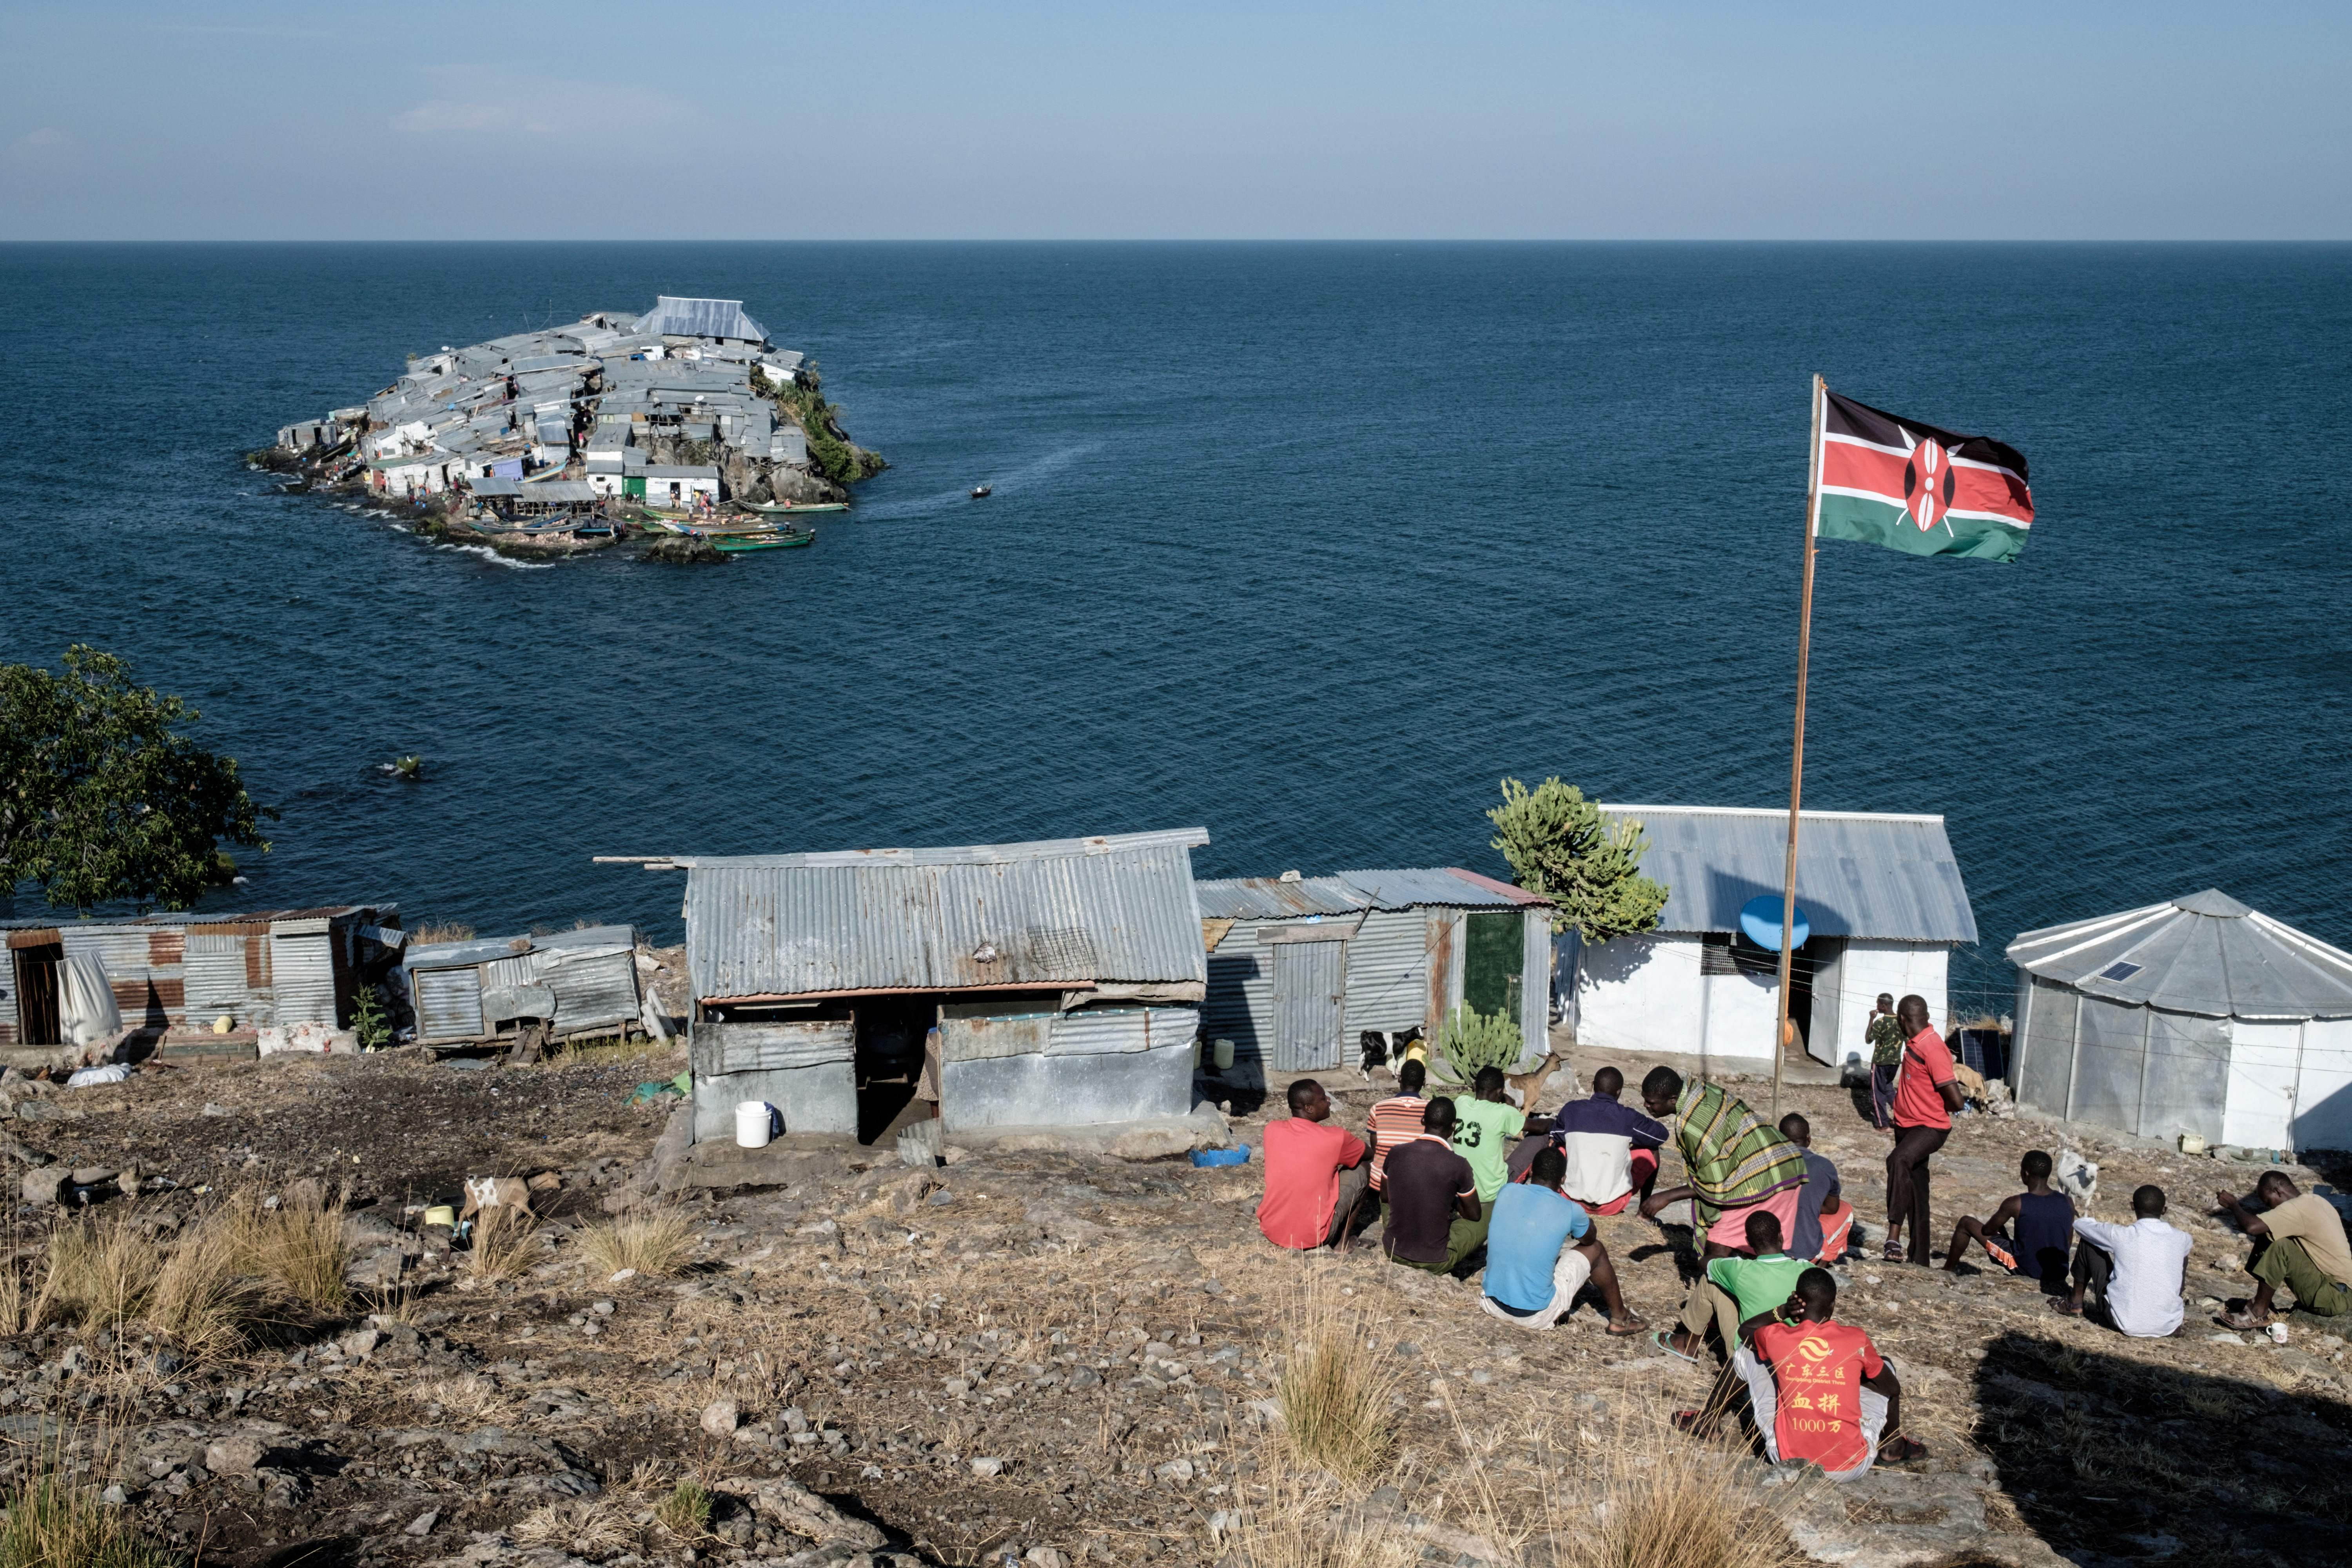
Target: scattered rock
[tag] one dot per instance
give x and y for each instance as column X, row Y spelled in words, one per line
column 987, row 1466
column 1175, row 1472
column 423, row 1523
column 782, row 1501
column 212, row 1110
column 720, row 1418
column 239, row 1455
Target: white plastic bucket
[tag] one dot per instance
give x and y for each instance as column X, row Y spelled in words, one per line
column 753, row 1118
column 1224, row 1054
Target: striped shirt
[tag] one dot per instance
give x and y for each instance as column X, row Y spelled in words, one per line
column 1393, row 1121
column 1734, row 1157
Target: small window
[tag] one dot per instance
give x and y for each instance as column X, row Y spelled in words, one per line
column 2119, row 970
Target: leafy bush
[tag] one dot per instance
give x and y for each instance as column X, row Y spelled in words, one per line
column 1471, row 1040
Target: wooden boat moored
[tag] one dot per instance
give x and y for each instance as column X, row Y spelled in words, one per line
column 740, row 543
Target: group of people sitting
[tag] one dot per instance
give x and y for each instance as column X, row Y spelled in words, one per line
column 1476, row 1183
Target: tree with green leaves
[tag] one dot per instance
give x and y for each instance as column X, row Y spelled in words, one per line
column 1558, row 844
column 102, row 797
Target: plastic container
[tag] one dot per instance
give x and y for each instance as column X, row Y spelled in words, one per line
column 442, row 1214
column 1224, row 1054
column 753, row 1122
column 1237, row 1156
column 2192, row 1143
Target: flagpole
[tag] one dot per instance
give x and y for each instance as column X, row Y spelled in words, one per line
column 1797, row 763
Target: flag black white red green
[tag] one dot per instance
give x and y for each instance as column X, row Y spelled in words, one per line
column 1889, row 480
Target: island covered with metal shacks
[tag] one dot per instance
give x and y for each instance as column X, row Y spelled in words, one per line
column 682, row 421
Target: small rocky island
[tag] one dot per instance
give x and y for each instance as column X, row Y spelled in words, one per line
column 684, row 421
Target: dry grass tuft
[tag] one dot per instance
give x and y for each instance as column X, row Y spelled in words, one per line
column 502, row 1244
column 614, row 1049
column 203, row 1299
column 20, row 1300
column 1335, row 1392
column 1663, row 1500
column 297, row 1246
column 685, row 1512
column 1298, row 1520
column 655, row 1245
column 592, row 1530
column 469, row 1400
column 52, row 1523
column 431, row 931
column 101, row 1274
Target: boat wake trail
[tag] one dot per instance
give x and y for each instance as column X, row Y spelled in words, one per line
column 486, row 553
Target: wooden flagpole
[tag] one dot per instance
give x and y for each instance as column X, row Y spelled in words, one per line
column 1796, row 763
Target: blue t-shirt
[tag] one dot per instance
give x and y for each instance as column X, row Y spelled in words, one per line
column 1531, row 1224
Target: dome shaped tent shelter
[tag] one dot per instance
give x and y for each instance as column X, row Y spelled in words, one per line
column 2197, row 1016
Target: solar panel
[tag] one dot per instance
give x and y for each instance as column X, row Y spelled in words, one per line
column 2119, row 969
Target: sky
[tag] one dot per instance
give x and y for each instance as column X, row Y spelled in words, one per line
column 893, row 120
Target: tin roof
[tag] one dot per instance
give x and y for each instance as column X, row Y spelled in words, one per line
column 676, row 317
column 2206, row 953
column 488, row 948
column 1274, row 898
column 1859, row 874
column 1346, row 892
column 1065, row 913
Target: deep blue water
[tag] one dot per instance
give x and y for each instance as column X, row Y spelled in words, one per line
column 1310, row 545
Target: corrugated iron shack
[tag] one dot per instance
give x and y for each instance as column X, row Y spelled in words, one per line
column 574, row 983
column 1299, row 965
column 174, row 975
column 990, row 985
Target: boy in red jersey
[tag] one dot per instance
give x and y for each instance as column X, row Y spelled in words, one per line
column 1821, row 1391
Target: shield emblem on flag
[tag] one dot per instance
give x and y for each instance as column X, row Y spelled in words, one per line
column 1927, row 484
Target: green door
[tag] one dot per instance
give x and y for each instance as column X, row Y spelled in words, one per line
column 1493, row 958
column 633, row 486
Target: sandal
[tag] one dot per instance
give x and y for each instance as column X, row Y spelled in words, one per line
column 1901, row 1451
column 1691, row 1421
column 2245, row 1320
column 1664, row 1340
column 2063, row 1305
column 1633, row 1326
column 1893, row 1251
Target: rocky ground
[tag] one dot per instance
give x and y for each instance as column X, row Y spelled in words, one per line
column 1060, row 1356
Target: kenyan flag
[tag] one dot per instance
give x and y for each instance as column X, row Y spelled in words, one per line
column 1894, row 481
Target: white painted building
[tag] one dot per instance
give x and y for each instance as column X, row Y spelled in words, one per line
column 673, row 485
column 1881, row 894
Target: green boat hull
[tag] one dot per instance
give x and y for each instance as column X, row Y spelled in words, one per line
column 737, row 544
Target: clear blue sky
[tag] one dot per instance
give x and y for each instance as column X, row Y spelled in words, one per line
column 880, row 119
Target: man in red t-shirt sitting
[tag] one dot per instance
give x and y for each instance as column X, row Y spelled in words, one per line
column 1315, row 1174
column 1821, row 1391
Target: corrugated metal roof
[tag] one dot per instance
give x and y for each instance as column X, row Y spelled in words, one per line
column 1273, row 898
column 1348, row 892
column 675, row 316
column 1446, row 885
column 1859, row 874
column 1062, row 912
column 2207, row 955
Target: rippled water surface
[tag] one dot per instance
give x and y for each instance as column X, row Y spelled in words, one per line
column 1308, row 544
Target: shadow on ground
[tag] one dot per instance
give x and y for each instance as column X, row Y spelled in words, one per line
column 2108, row 1458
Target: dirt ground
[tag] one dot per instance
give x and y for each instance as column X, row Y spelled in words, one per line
column 1057, row 1355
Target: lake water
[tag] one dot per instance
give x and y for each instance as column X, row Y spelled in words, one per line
column 1309, row 544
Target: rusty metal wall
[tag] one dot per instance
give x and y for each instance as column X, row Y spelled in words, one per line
column 1388, row 970
column 217, row 983
column 1049, row 1090
column 1310, row 987
column 448, row 1004
column 302, row 965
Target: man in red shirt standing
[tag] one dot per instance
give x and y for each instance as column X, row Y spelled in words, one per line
column 1925, row 1095
column 1821, row 1391
column 1315, row 1174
